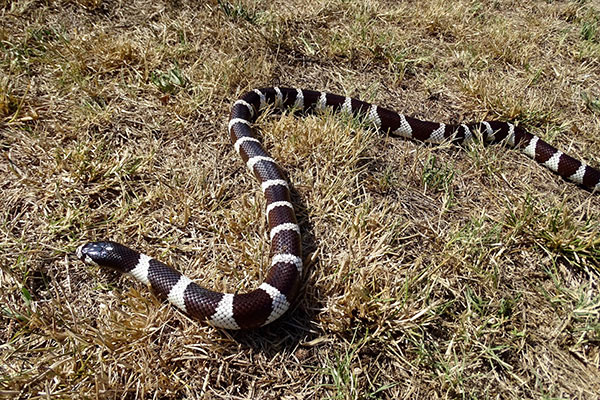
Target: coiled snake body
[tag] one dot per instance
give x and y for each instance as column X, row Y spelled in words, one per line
column 273, row 297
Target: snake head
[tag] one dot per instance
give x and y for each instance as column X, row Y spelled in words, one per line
column 85, row 253
column 108, row 254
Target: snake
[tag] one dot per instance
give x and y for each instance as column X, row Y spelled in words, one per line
column 274, row 296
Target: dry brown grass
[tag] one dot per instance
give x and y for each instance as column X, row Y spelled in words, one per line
column 435, row 272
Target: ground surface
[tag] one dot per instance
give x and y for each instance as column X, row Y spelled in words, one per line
column 434, row 272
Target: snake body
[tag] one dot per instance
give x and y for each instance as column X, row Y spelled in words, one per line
column 273, row 297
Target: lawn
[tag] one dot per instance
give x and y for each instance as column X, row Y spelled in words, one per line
column 431, row 271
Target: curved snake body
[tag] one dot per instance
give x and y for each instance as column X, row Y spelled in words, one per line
column 273, row 297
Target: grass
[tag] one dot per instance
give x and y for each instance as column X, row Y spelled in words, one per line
column 434, row 272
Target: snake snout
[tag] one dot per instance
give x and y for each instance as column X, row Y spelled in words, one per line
column 91, row 253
